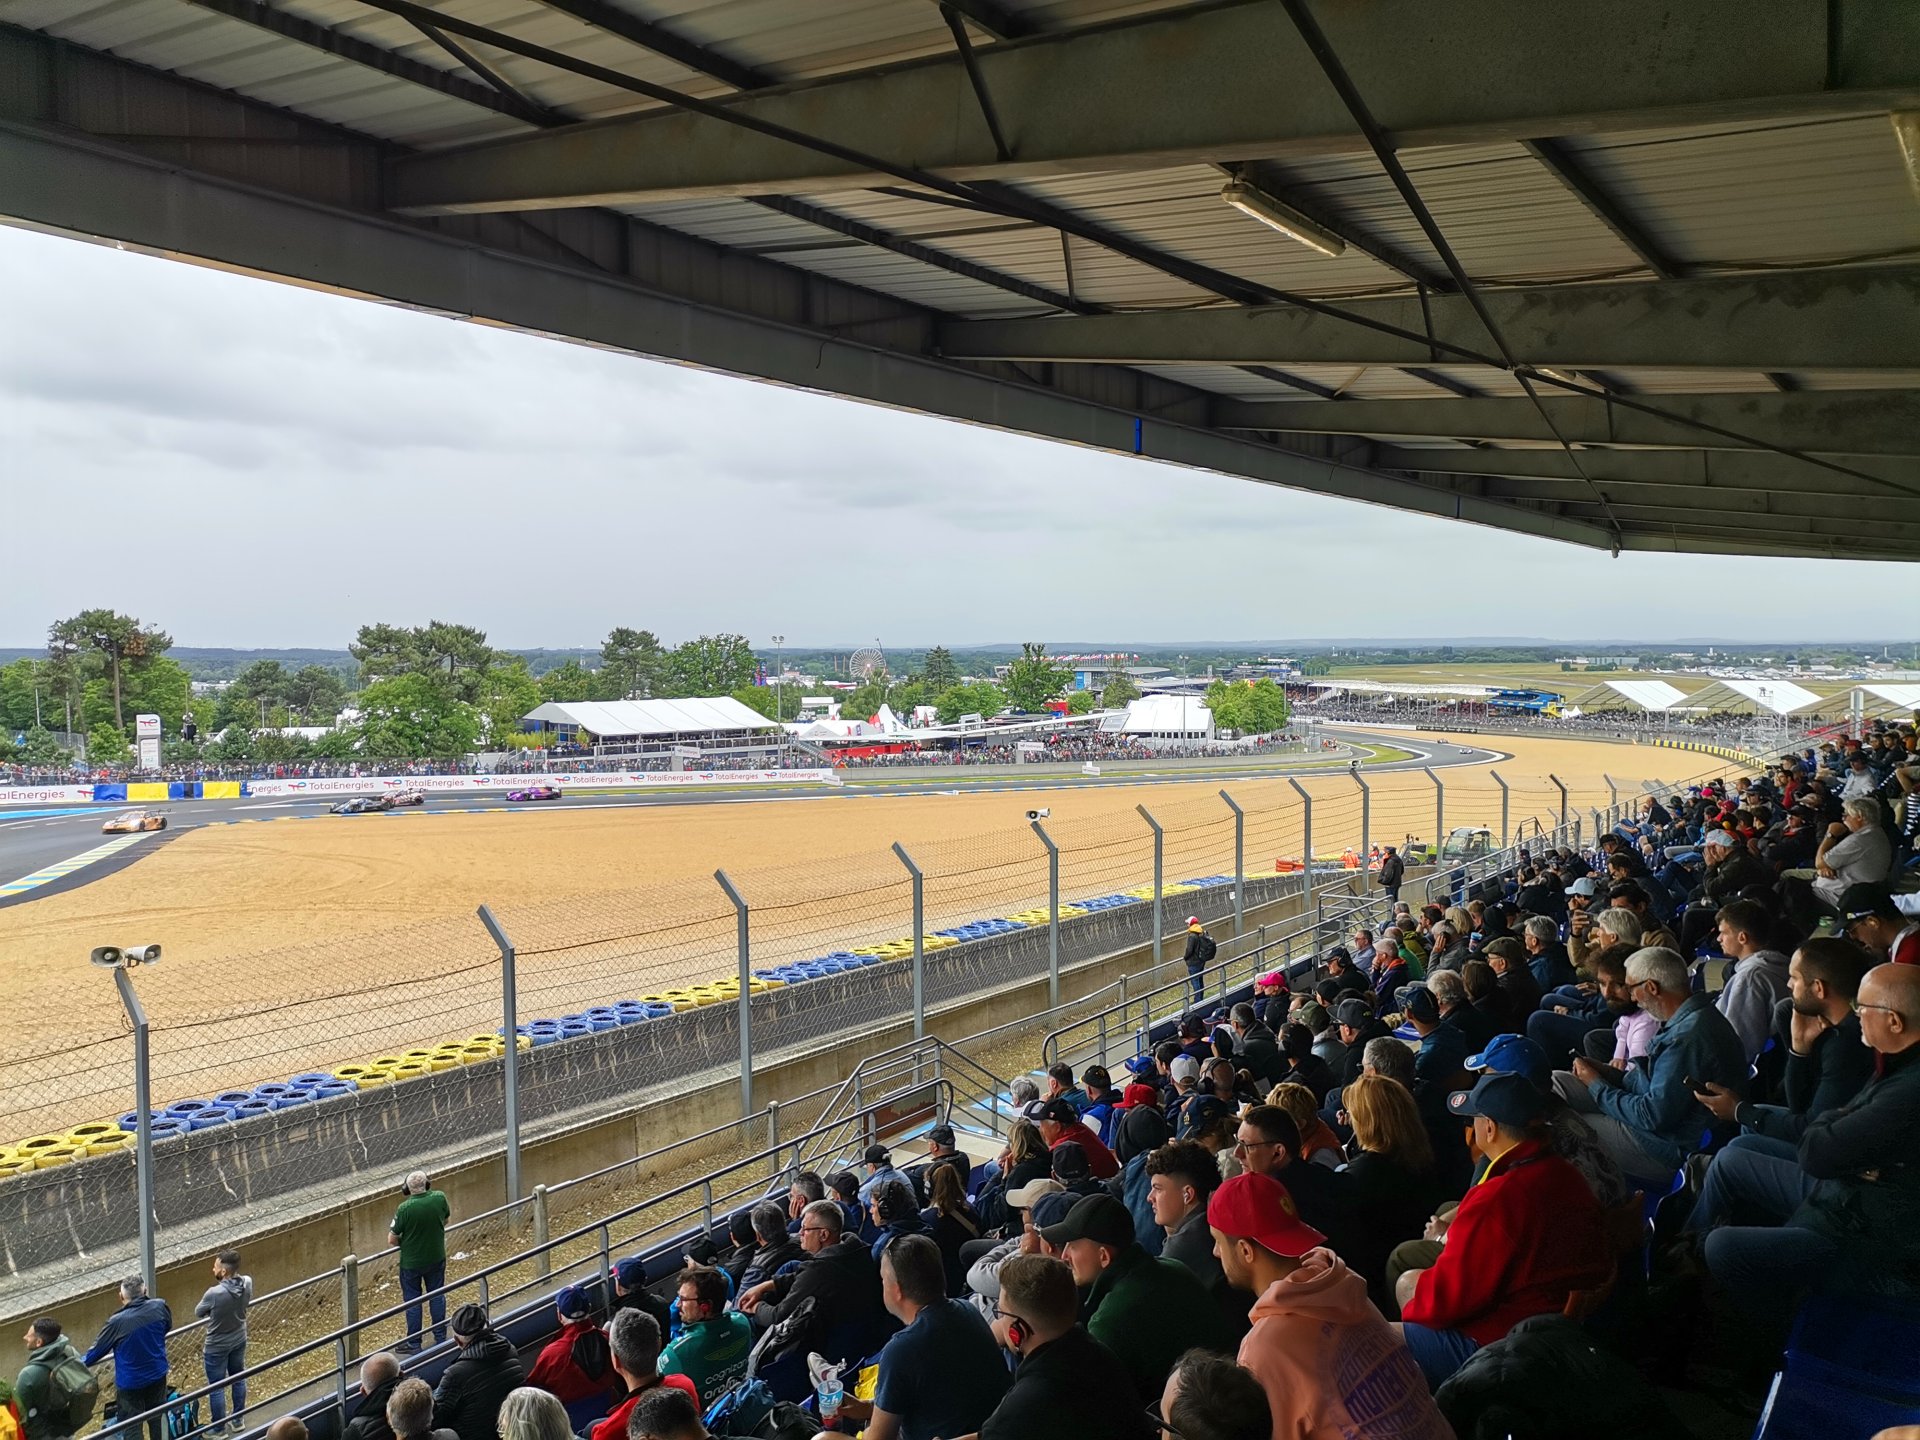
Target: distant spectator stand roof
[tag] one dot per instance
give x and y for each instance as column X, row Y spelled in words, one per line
column 1167, row 715
column 613, row 719
column 1650, row 695
column 1391, row 691
column 1899, row 702
column 1775, row 697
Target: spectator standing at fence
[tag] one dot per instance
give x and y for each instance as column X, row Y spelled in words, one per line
column 419, row 1229
column 484, row 1368
column 223, row 1349
column 1393, row 870
column 634, row 1337
column 1067, row 1385
column 50, row 1389
column 576, row 1366
column 712, row 1350
column 379, row 1378
column 1199, row 954
column 410, row 1413
column 136, row 1336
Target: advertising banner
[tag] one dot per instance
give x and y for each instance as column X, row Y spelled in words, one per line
column 45, row 794
column 499, row 784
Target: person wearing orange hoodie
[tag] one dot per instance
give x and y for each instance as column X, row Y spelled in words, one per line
column 1332, row 1367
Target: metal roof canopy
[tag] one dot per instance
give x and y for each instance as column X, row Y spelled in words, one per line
column 1640, row 274
column 612, row 719
column 1652, row 696
column 1776, row 697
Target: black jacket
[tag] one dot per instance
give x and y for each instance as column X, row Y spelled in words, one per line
column 1476, row 1025
column 763, row 1262
column 1325, row 1201
column 1073, row 1388
column 1868, row 1196
column 1392, row 870
column 1391, row 1204
column 1200, row 949
column 1260, row 1055
column 369, row 1421
column 1312, row 1072
column 1822, row 1080
column 467, row 1400
column 1356, row 1052
column 1522, row 990
column 1548, row 1380
column 844, row 1282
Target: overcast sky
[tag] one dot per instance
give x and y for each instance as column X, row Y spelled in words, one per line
column 251, row 464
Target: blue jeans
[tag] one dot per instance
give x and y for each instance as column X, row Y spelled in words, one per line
column 220, row 1364
column 1755, row 1179
column 1438, row 1353
column 414, row 1284
column 1197, row 979
column 1768, row 1266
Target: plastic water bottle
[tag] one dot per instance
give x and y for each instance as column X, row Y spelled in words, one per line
column 828, row 1394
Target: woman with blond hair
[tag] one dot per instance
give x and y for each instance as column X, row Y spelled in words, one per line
column 1393, row 1180
column 529, row 1413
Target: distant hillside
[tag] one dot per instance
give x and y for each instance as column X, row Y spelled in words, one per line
column 210, row 662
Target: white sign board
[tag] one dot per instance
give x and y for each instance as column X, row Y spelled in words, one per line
column 146, row 727
column 148, row 756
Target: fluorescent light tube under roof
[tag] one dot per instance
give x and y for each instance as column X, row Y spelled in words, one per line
column 1284, row 218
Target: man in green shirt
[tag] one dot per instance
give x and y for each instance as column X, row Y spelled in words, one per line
column 419, row 1228
column 712, row 1350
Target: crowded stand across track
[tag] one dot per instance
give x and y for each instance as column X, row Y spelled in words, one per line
column 1613, row 1140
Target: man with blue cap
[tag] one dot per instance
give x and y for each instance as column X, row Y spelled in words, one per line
column 1527, row 1235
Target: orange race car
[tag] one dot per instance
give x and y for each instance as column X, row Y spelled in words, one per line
column 132, row 822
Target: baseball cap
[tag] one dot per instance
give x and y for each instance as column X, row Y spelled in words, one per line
column 1021, row 1197
column 1258, row 1208
column 1422, row 1006
column 1313, row 1015
column 1141, row 1064
column 877, row 1155
column 469, row 1320
column 1138, row 1093
column 1585, row 885
column 1070, row 1163
column 1184, row 1067
column 1273, row 979
column 1514, row 1055
column 630, row 1273
column 940, row 1135
column 1099, row 1218
column 1202, row 1112
column 1354, row 1013
column 1504, row 1099
column 1051, row 1208
column 1058, row 1111
column 573, row 1302
column 1193, row 920
column 1339, row 952
column 1863, row 902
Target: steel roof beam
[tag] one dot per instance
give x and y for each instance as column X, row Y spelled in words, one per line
column 1222, row 84
column 1829, row 319
column 663, row 42
column 1711, row 499
column 1565, row 167
column 1701, row 471
column 1831, row 422
column 993, row 18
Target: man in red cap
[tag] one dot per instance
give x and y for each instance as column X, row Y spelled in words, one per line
column 1526, row 1235
column 1332, row 1368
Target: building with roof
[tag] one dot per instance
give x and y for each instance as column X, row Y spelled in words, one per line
column 651, row 724
column 1637, row 276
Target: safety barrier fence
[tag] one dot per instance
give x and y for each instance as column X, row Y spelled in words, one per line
column 924, row 1077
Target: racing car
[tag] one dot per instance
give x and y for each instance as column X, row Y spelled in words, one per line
column 363, row 805
column 407, row 797
column 133, row 822
column 535, row 792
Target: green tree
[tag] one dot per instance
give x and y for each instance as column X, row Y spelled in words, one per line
column 1033, row 679
column 1267, row 706
column 40, row 748
column 569, row 682
column 106, row 745
column 337, row 744
column 939, row 673
column 19, row 683
column 863, row 702
column 509, row 692
column 316, row 694
column 907, row 696
column 757, row 697
column 1232, row 706
column 411, row 716
column 1081, row 702
column 982, row 698
column 631, row 663
column 261, row 680
column 1119, row 690
column 117, row 643
column 161, row 687
column 455, row 657
column 710, row 665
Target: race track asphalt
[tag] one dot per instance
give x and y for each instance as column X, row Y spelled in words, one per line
column 35, row 839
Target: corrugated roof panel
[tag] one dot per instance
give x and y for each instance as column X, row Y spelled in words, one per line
column 1227, row 380
column 1858, row 379
column 909, row 280
column 1820, row 190
column 733, row 223
column 1691, row 382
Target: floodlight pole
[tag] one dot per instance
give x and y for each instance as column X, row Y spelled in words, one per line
column 1439, row 812
column 143, row 1136
column 1306, row 846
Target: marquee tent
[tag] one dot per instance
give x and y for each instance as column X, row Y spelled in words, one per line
column 648, row 719
column 1652, row 696
column 1772, row 697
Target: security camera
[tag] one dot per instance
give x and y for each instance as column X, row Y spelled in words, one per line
column 1038, row 814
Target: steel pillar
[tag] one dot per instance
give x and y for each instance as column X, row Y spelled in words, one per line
column 510, row 1034
column 1159, row 879
column 745, row 948
column 919, row 940
column 1053, row 914
column 1506, row 808
column 1239, row 864
column 143, row 1134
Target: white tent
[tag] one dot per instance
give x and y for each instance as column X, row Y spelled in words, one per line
column 1649, row 695
column 1178, row 717
column 1888, row 701
column 835, row 730
column 650, row 719
column 1775, row 697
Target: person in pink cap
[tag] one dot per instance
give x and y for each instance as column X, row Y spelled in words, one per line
column 1332, row 1367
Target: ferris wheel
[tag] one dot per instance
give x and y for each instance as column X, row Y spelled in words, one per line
column 866, row 662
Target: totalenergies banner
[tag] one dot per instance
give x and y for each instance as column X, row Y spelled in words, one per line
column 490, row 784
column 45, row 794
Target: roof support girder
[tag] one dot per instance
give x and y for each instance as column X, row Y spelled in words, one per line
column 1703, row 471
column 1223, row 84
column 1866, row 514
column 1829, row 319
column 1832, row 422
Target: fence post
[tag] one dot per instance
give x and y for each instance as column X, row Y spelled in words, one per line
column 350, row 1303
column 1613, row 798
column 143, row 1140
column 1053, row 914
column 1239, row 864
column 542, row 1231
column 746, row 995
column 1563, row 797
column 919, row 940
column 1159, row 877
column 773, row 1136
column 1439, row 812
column 1306, row 899
column 1366, row 828
column 1505, row 798
column 510, row 1036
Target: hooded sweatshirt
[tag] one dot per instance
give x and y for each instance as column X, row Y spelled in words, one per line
column 224, row 1308
column 1332, row 1368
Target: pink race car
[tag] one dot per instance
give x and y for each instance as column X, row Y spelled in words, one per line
column 535, row 792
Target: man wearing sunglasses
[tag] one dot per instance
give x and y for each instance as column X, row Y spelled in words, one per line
column 1067, row 1385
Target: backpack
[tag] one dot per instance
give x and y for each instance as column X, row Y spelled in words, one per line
column 183, row 1417
column 591, row 1354
column 72, row 1391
